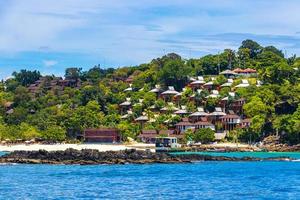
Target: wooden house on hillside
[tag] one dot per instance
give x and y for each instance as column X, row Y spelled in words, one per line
column 102, row 135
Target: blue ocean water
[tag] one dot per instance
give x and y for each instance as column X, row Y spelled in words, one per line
column 294, row 155
column 203, row 180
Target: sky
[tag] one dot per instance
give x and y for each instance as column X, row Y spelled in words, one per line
column 50, row 36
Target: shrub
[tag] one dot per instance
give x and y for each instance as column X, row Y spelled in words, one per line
column 204, row 135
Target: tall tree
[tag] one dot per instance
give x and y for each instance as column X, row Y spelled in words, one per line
column 174, row 73
column 73, row 73
column 274, row 50
column 26, row 77
column 253, row 46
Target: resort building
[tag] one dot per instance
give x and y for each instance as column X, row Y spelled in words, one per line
column 129, row 89
column 156, row 90
column 209, row 85
column 228, row 83
column 102, row 135
column 229, row 74
column 182, row 111
column 214, row 94
column 126, row 105
column 148, row 136
column 170, row 107
column 129, row 79
column 245, row 123
column 197, row 83
column 142, row 119
column 226, row 116
column 230, row 121
column 216, row 115
column 184, row 125
column 169, row 94
column 243, row 84
column 204, row 124
column 196, row 116
column 245, row 72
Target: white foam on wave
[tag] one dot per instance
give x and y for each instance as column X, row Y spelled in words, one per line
column 297, row 160
column 4, row 164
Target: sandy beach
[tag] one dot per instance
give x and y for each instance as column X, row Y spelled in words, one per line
column 102, row 147
column 62, row 147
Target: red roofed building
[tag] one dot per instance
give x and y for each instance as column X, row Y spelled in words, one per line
column 246, row 123
column 182, row 126
column 245, row 72
column 148, row 136
column 230, row 121
column 237, row 105
column 103, row 135
column 204, row 124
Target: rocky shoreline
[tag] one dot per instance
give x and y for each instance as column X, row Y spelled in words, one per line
column 92, row 157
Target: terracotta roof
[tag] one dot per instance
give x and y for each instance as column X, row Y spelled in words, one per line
column 147, row 132
column 101, row 129
column 147, row 135
column 169, row 132
column 129, row 79
column 238, row 70
column 248, row 70
column 230, row 116
column 184, row 124
column 247, row 120
column 204, row 123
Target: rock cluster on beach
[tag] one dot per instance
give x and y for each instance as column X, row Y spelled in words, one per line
column 89, row 156
column 273, row 143
column 222, row 149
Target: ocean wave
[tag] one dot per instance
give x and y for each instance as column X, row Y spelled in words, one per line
column 4, row 164
column 296, row 160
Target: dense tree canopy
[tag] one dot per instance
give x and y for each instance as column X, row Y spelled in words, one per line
column 90, row 99
column 26, row 77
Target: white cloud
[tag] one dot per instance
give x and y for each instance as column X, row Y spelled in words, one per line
column 137, row 30
column 49, row 63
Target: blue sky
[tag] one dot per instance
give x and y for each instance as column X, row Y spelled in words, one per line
column 52, row 35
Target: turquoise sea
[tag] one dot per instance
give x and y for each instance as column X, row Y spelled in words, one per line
column 203, row 180
column 294, row 155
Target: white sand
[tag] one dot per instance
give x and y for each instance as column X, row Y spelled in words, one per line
column 234, row 145
column 229, row 144
column 100, row 147
column 56, row 147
